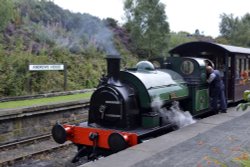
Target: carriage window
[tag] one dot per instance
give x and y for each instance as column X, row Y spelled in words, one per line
column 247, row 65
column 241, row 68
column 237, row 69
column 241, row 65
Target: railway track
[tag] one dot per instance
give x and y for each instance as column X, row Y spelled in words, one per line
column 14, row 152
column 18, row 144
column 21, row 150
column 18, row 152
column 23, row 123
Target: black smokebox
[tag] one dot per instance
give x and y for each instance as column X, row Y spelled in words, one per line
column 113, row 62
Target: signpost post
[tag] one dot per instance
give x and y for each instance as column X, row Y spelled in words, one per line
column 51, row 67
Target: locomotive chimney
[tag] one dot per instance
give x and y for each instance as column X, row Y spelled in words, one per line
column 113, row 63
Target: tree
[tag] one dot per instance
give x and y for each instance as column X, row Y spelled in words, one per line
column 6, row 13
column 147, row 25
column 236, row 30
column 180, row 38
column 40, row 32
column 110, row 22
column 228, row 25
column 221, row 40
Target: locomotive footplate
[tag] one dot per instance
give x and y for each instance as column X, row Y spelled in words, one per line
column 93, row 140
column 142, row 133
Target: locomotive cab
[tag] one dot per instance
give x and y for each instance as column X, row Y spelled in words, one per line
column 193, row 70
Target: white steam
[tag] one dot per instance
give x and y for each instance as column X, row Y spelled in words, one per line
column 174, row 115
column 89, row 31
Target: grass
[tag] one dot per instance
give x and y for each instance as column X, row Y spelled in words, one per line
column 41, row 101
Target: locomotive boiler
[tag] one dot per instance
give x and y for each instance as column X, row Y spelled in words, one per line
column 121, row 113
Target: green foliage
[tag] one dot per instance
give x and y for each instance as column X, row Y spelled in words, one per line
column 84, row 71
column 111, row 22
column 246, row 97
column 179, row 38
column 146, row 22
column 236, row 30
column 222, row 40
column 40, row 32
column 6, row 13
column 15, row 79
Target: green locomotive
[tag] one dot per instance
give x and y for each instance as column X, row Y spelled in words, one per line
column 122, row 111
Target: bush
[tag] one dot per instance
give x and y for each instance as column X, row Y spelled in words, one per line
column 246, row 97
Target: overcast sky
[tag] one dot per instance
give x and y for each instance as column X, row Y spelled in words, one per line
column 183, row 15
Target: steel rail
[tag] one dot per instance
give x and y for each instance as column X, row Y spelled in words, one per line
column 12, row 159
column 18, row 144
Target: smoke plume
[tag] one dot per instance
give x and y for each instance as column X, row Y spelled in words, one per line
column 174, row 115
column 86, row 31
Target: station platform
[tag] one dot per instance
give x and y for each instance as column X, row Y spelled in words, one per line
column 219, row 140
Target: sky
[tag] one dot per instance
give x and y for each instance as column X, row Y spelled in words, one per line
column 182, row 15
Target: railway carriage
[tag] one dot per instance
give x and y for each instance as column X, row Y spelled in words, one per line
column 233, row 62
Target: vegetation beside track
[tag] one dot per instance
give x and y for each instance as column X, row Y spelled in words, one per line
column 41, row 101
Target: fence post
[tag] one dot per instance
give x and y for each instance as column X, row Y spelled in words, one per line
column 65, row 76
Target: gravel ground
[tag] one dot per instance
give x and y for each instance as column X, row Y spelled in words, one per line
column 57, row 158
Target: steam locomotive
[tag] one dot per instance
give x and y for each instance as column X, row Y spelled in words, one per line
column 121, row 113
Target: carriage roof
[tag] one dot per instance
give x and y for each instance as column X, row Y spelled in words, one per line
column 198, row 47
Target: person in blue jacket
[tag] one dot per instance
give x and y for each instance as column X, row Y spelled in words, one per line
column 217, row 90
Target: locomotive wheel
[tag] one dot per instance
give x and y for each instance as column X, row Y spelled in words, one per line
column 175, row 127
column 82, row 151
column 117, row 142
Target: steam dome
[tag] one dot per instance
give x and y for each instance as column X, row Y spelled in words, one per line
column 145, row 65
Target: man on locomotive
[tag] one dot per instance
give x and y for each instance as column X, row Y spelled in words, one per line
column 217, row 90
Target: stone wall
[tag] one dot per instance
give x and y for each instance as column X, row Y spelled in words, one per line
column 24, row 123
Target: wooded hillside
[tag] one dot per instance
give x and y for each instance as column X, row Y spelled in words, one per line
column 40, row 32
